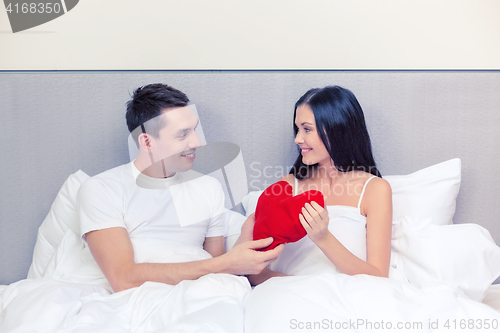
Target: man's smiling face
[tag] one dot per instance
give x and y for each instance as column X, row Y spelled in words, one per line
column 177, row 141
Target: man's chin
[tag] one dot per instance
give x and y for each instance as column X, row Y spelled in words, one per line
column 186, row 165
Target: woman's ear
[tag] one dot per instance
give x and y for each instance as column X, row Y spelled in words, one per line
column 145, row 142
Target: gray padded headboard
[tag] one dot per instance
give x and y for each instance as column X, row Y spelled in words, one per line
column 54, row 123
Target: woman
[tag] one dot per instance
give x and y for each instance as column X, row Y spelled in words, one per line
column 352, row 236
column 354, row 230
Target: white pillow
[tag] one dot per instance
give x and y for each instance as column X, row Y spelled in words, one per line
column 463, row 256
column 232, row 222
column 61, row 218
column 427, row 193
column 249, row 202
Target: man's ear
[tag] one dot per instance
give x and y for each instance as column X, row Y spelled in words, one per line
column 145, row 142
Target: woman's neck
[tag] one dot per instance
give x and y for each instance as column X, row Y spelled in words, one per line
column 327, row 172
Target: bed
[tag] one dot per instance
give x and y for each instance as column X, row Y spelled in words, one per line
column 444, row 261
column 436, row 279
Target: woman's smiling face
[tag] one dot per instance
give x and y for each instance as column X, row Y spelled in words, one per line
column 313, row 150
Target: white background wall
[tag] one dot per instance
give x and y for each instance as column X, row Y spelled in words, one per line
column 260, row 34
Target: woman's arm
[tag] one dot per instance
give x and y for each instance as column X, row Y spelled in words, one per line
column 378, row 210
column 263, row 276
column 377, row 205
column 214, row 246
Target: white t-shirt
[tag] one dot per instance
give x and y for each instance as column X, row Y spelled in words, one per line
column 167, row 219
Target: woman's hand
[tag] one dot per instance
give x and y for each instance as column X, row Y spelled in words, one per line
column 314, row 219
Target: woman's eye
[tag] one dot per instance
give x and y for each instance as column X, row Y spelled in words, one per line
column 307, row 130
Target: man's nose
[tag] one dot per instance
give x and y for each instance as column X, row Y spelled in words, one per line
column 195, row 141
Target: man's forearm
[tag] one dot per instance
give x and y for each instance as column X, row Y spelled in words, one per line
column 170, row 273
column 240, row 260
column 116, row 260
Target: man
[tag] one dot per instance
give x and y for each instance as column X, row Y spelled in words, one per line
column 130, row 215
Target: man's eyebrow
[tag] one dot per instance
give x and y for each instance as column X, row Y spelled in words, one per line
column 187, row 129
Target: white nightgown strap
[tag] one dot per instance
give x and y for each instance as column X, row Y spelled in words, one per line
column 363, row 192
column 360, row 197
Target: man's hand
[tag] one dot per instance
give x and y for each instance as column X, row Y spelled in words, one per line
column 242, row 259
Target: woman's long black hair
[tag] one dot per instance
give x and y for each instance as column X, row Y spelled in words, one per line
column 341, row 126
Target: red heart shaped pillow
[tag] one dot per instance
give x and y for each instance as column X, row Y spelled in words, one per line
column 277, row 214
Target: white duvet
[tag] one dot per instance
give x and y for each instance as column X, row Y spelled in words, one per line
column 213, row 303
column 330, row 302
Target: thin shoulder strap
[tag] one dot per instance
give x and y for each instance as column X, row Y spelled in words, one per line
column 363, row 192
column 296, row 186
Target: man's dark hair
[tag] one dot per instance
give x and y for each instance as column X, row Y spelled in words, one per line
column 148, row 102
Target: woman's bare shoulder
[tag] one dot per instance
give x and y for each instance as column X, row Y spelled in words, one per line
column 290, row 178
column 380, row 184
column 378, row 189
column 378, row 197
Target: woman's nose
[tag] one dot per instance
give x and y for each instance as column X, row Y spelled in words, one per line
column 298, row 139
